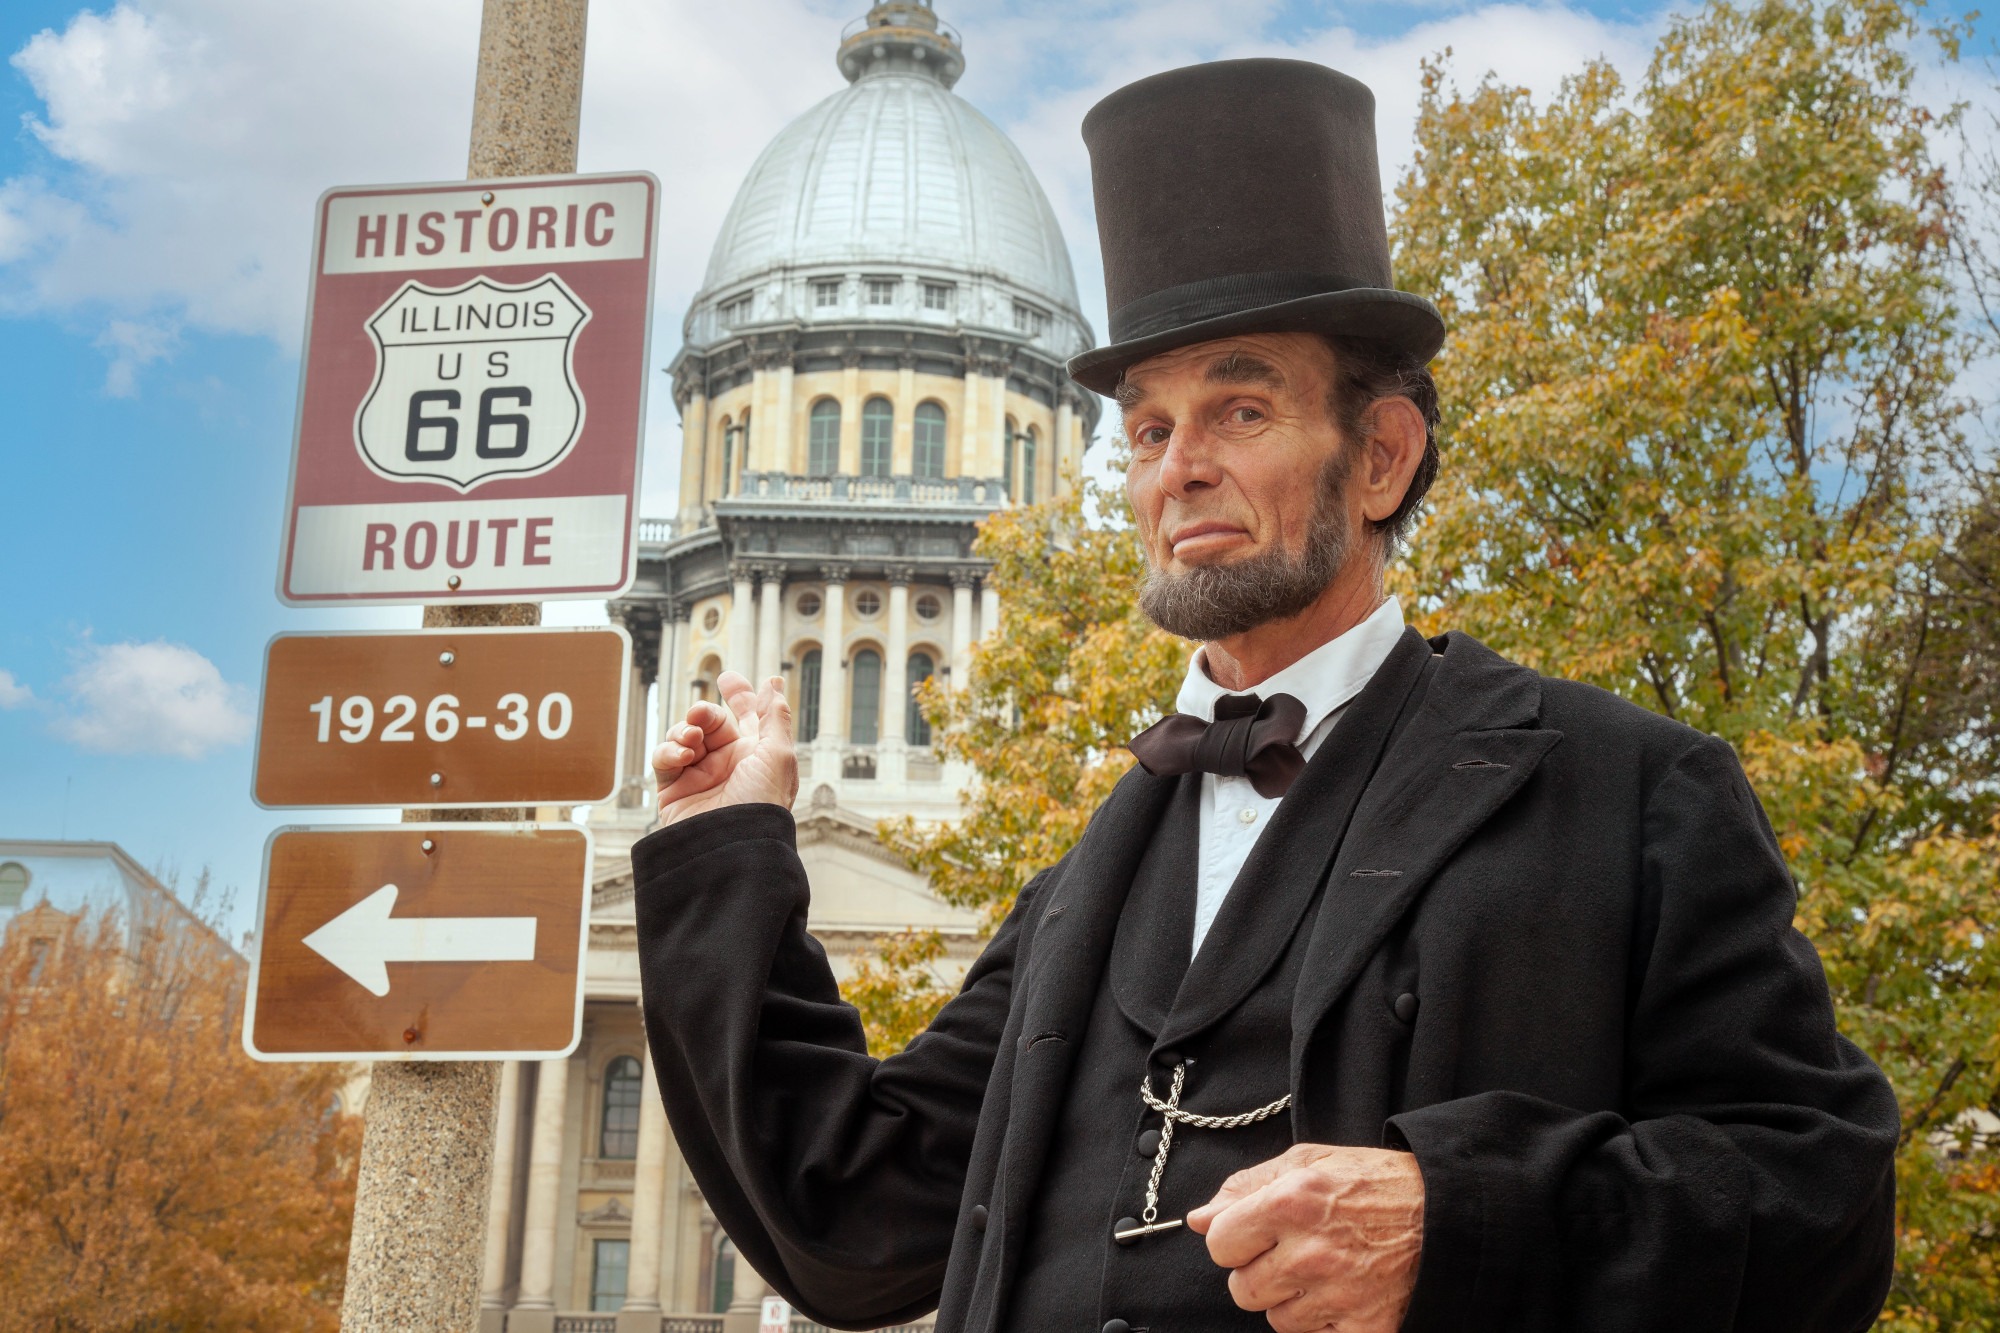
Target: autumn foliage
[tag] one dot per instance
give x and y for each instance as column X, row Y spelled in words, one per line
column 1706, row 445
column 152, row 1177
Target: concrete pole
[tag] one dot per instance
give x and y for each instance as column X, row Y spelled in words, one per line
column 535, row 1311
column 641, row 1311
column 417, row 1250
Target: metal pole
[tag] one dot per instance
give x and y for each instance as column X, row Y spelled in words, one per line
column 415, row 1257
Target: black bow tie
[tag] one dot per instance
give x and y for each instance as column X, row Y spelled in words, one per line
column 1250, row 737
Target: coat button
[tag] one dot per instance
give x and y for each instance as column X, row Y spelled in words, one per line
column 1124, row 1224
column 1117, row 1326
column 1167, row 1058
column 1149, row 1143
column 979, row 1217
column 1406, row 1007
column 1022, row 1044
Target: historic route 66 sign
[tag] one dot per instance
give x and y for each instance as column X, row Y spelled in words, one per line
column 472, row 398
column 473, row 382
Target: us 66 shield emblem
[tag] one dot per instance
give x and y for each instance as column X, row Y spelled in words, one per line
column 472, row 383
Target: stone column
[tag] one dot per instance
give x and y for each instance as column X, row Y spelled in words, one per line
column 969, row 427
column 780, row 457
column 996, row 426
column 750, row 445
column 535, row 1310
column 675, row 635
column 1070, row 457
column 832, row 669
column 500, row 1210
column 746, row 1303
column 769, row 626
column 989, row 608
column 694, row 458
column 742, row 622
column 850, row 413
column 641, row 1311
column 897, row 665
column 903, row 455
column 961, row 626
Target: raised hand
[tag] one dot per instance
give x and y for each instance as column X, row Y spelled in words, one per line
column 733, row 753
column 1321, row 1238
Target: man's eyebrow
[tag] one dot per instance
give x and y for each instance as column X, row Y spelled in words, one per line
column 1236, row 368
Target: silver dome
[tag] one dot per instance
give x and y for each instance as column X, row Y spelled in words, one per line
column 894, row 176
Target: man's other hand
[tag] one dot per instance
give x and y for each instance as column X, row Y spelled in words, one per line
column 733, row 753
column 1320, row 1238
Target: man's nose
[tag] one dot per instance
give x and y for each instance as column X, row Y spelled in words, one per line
column 1190, row 462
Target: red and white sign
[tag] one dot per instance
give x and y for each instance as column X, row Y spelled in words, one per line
column 775, row 1317
column 473, row 395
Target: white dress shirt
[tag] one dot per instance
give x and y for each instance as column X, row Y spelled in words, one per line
column 1233, row 815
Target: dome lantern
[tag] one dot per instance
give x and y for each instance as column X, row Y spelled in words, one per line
column 901, row 37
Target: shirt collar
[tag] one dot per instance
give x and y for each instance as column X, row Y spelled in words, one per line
column 1324, row 679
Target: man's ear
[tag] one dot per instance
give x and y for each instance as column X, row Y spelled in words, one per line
column 1389, row 460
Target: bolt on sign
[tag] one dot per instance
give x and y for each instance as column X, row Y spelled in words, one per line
column 446, row 718
column 472, row 398
column 420, row 942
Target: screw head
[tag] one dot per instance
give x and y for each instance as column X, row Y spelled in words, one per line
column 409, row 1035
column 437, row 779
column 429, row 846
column 486, row 198
column 452, row 583
column 447, row 657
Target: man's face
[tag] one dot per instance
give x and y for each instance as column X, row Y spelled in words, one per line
column 1237, row 480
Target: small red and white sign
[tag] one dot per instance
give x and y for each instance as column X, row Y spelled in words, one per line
column 775, row 1317
column 472, row 402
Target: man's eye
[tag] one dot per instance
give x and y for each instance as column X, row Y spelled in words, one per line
column 1155, row 436
column 1246, row 414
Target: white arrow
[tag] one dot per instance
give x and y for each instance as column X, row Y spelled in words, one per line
column 363, row 940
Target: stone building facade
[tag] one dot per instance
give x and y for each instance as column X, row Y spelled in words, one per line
column 873, row 365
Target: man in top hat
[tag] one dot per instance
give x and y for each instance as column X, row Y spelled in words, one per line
column 1398, row 986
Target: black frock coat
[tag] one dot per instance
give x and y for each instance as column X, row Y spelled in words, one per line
column 1619, row 1075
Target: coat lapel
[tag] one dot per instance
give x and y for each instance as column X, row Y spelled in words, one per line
column 1289, row 861
column 1149, row 952
column 1472, row 744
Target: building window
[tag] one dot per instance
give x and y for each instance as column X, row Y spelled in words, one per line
column 927, row 444
column 711, row 620
column 736, row 312
column 882, row 291
column 13, row 883
column 927, row 606
column 866, row 603
column 618, row 1128
column 864, row 716
column 937, row 296
column 826, row 295
column 823, row 439
column 916, row 726
column 809, row 696
column 878, row 429
column 722, row 1283
column 1029, row 448
column 1009, row 437
column 808, row 605
column 1030, row 320
column 610, row 1260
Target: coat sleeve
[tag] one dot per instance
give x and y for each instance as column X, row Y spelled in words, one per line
column 1749, row 1184
column 838, row 1176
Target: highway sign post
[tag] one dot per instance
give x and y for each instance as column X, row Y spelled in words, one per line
column 472, row 392
column 453, row 941
column 446, row 718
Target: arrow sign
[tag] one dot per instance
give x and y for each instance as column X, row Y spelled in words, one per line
column 363, row 940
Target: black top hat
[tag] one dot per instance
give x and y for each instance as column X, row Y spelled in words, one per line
column 1242, row 197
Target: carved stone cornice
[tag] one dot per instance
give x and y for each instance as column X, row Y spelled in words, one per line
column 743, row 571
column 837, row 572
column 963, row 577
column 899, row 574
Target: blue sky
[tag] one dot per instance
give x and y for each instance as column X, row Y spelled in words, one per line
column 157, row 172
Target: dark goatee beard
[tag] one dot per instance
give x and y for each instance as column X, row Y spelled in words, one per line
column 1210, row 602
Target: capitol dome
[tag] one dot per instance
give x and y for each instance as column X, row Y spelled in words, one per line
column 894, row 178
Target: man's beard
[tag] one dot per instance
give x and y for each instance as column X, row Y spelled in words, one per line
column 1211, row 602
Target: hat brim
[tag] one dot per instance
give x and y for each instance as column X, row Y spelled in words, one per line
column 1401, row 320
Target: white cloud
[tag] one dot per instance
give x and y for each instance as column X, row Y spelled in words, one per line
column 152, row 698
column 131, row 344
column 13, row 694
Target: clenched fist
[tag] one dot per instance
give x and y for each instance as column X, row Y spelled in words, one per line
column 733, row 753
column 1321, row 1238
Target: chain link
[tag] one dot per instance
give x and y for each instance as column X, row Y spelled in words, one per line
column 1170, row 1109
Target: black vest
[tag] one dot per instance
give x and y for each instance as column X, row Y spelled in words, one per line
column 1227, row 1015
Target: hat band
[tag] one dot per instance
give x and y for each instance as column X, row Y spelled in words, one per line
column 1176, row 307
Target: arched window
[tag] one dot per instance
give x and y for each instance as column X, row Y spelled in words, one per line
column 915, row 725
column 927, row 445
column 809, row 696
column 618, row 1135
column 1007, row 444
column 823, row 439
column 1028, row 450
column 13, row 883
column 722, row 1281
column 864, row 716
column 878, row 429
column 728, row 455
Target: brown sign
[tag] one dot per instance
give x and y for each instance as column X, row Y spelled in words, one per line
column 420, row 942
column 444, row 718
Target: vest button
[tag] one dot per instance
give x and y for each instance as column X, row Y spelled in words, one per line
column 1149, row 1143
column 1124, row 1224
column 1117, row 1326
column 1168, row 1058
column 1406, row 1007
column 979, row 1217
